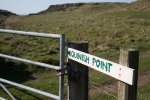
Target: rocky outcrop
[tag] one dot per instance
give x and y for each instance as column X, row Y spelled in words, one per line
column 6, row 13
column 62, row 7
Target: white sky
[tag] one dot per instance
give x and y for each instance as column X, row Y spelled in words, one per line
column 32, row 6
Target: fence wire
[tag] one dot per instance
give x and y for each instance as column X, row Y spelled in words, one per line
column 100, row 89
column 104, row 87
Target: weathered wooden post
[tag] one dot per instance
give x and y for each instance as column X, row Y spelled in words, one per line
column 78, row 74
column 129, row 58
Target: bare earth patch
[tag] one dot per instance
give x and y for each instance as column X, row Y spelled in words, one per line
column 113, row 87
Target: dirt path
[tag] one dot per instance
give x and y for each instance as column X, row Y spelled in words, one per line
column 144, row 79
column 113, row 87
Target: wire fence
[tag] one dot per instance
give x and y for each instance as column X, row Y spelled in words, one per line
column 99, row 89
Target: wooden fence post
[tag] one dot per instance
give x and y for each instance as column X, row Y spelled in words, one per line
column 129, row 58
column 78, row 74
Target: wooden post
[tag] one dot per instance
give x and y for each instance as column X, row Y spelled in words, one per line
column 78, row 74
column 129, row 58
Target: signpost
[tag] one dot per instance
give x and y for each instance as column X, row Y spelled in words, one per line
column 107, row 67
column 78, row 74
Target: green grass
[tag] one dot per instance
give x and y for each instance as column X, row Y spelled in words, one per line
column 143, row 92
column 48, row 85
column 107, row 28
column 93, row 28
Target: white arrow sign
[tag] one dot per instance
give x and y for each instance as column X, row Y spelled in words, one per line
column 110, row 68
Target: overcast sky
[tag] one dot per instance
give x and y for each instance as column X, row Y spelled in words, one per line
column 32, row 6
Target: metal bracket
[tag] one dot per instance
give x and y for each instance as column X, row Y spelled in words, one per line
column 62, row 71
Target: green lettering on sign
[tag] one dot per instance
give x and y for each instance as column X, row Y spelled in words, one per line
column 101, row 64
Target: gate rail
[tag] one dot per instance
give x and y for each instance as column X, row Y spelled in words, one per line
column 61, row 62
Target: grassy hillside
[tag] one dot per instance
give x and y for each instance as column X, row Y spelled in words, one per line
column 106, row 26
column 140, row 5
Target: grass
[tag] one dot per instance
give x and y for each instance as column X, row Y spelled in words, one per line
column 107, row 28
column 144, row 64
column 102, row 97
column 89, row 28
column 144, row 93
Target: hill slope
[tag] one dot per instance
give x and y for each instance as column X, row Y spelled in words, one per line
column 106, row 26
column 62, row 7
column 76, row 6
column 4, row 15
column 141, row 5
